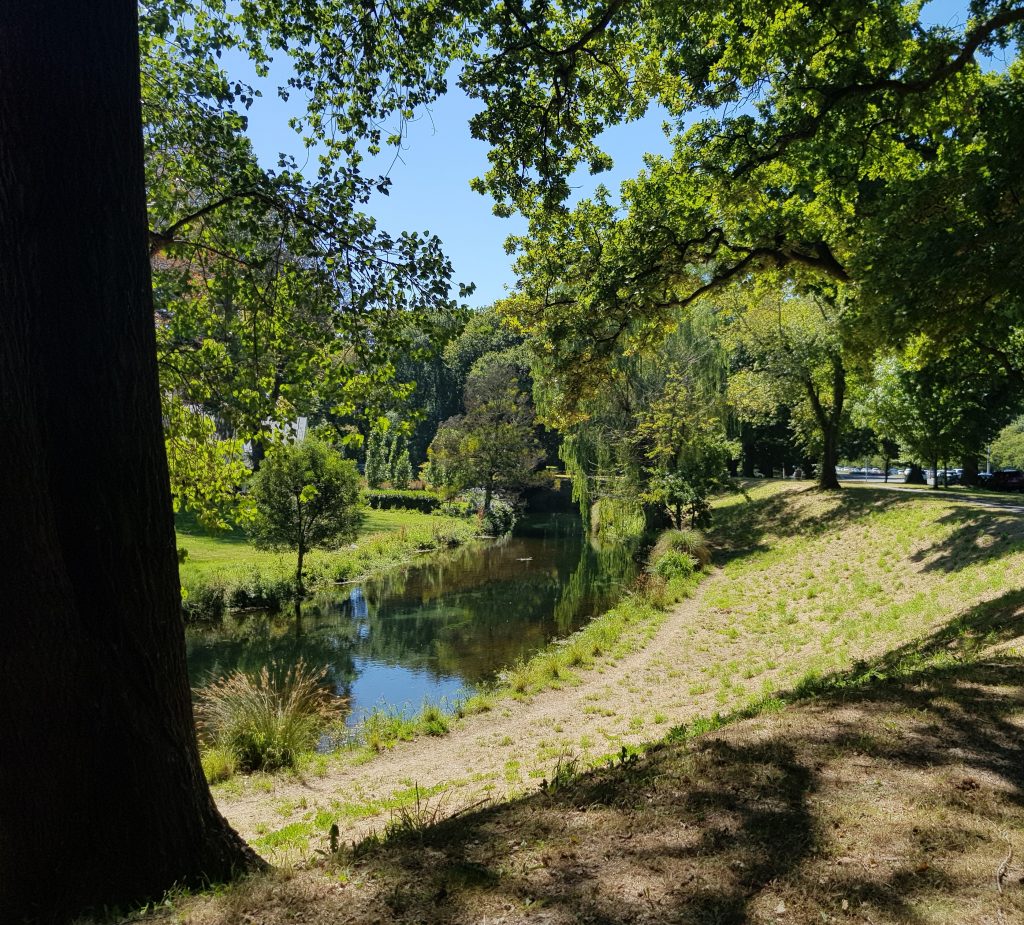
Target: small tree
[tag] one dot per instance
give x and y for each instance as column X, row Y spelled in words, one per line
column 306, row 496
column 494, row 444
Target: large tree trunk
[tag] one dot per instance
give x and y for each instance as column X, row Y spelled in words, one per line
column 827, row 477
column 970, row 474
column 102, row 797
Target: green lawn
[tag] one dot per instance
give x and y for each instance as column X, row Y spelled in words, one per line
column 385, row 538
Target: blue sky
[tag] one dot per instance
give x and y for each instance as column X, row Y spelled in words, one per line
column 430, row 190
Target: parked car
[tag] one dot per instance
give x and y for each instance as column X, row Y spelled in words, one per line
column 1007, row 480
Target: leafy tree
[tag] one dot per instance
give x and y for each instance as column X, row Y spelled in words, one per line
column 494, row 443
column 688, row 453
column 794, row 358
column 306, row 496
column 1008, row 447
column 276, row 294
column 838, row 132
column 936, row 407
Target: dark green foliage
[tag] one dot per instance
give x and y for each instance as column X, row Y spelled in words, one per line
column 494, row 444
column 306, row 496
column 386, row 499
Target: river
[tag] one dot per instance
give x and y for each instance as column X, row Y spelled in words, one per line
column 432, row 631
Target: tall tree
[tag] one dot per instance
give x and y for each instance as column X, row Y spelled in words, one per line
column 795, row 359
column 102, row 797
column 844, row 143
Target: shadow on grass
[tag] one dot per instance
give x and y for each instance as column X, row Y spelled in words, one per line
column 186, row 524
column 743, row 822
column 978, row 534
column 741, row 530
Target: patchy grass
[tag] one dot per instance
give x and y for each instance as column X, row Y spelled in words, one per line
column 898, row 801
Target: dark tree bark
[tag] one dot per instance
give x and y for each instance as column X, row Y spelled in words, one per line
column 102, row 797
column 829, row 422
column 970, row 474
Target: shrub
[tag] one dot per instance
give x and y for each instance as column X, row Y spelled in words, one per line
column 266, row 721
column 691, row 542
column 385, row 499
column 264, row 591
column 674, row 564
column 205, row 601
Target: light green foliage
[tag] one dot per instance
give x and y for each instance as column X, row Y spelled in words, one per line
column 306, row 496
column 1008, row 447
column 206, row 471
column 937, row 406
column 264, row 721
column 687, row 451
column 789, row 353
column 276, row 293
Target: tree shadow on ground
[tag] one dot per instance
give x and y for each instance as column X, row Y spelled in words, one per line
column 871, row 796
column 978, row 534
column 742, row 530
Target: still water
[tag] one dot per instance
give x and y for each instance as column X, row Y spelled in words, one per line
column 432, row 631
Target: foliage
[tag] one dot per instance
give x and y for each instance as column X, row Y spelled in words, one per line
column 687, row 451
column 306, row 496
column 1008, row 447
column 674, row 564
column 855, row 154
column 265, row 721
column 691, row 542
column 385, row 499
column 494, row 443
column 936, row 406
column 276, row 293
column 206, row 471
column 788, row 351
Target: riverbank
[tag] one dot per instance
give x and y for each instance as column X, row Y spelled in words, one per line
column 807, row 584
column 873, row 641
column 225, row 570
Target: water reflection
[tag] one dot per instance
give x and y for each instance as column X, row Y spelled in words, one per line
column 435, row 629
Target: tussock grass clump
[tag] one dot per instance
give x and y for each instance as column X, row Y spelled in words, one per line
column 384, row 727
column 218, row 764
column 267, row 720
column 687, row 542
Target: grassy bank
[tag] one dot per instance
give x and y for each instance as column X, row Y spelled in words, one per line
column 226, row 570
column 845, row 746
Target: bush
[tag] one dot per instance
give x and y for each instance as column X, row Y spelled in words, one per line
column 691, row 542
column 267, row 592
column 384, row 499
column 265, row 721
column 201, row 602
column 674, row 564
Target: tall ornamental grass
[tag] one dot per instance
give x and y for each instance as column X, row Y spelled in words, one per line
column 265, row 720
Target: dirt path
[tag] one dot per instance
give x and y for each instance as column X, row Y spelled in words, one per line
column 505, row 751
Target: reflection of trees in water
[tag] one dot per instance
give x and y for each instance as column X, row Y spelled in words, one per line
column 466, row 614
column 597, row 582
column 250, row 640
